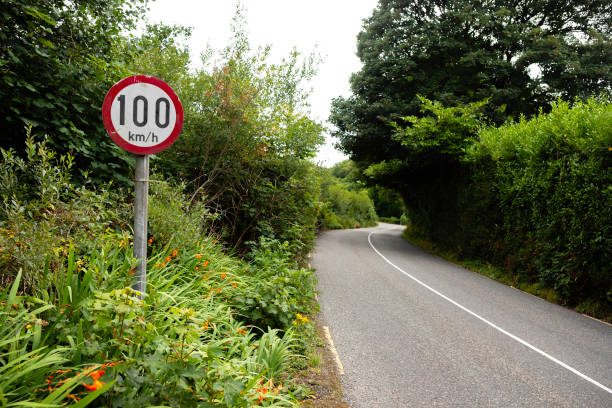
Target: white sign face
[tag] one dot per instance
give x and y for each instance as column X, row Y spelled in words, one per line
column 142, row 114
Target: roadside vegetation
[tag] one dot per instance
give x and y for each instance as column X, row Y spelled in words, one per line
column 232, row 213
column 212, row 330
column 346, row 203
column 492, row 121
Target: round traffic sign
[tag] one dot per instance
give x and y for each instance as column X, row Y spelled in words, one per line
column 142, row 114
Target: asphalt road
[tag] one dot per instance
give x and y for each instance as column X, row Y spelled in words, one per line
column 412, row 330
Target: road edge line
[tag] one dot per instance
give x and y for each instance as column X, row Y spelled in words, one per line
column 499, row 329
column 333, row 350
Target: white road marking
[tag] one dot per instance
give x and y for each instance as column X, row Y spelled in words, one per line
column 333, row 350
column 512, row 336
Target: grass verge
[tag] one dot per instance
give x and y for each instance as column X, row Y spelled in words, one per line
column 589, row 308
column 321, row 375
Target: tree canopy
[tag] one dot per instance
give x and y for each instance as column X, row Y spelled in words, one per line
column 57, row 58
column 520, row 55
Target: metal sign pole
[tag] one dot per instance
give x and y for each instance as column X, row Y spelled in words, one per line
column 141, row 210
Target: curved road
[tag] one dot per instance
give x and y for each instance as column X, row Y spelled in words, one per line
column 412, row 330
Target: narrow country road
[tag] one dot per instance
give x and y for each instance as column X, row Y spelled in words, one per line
column 412, row 330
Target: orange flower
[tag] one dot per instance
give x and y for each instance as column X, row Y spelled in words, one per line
column 219, row 290
column 198, row 256
column 168, row 259
column 205, row 264
column 215, row 240
column 223, row 276
column 262, row 392
column 97, row 384
column 234, row 285
column 174, row 253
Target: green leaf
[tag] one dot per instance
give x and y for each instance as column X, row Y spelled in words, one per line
column 39, row 15
column 232, row 390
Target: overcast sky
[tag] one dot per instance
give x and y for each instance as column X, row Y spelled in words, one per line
column 328, row 27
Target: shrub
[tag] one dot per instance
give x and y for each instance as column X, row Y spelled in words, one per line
column 552, row 177
column 43, row 213
column 277, row 289
column 344, row 207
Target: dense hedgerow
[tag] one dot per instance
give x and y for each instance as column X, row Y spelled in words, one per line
column 532, row 197
column 551, row 180
column 73, row 332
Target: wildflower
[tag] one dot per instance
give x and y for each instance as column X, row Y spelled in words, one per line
column 150, row 240
column 97, row 384
column 174, row 253
column 205, row 264
column 168, row 259
column 234, row 285
column 219, row 290
column 198, row 256
column 262, row 391
column 223, row 276
column 215, row 240
column 162, row 264
column 106, row 365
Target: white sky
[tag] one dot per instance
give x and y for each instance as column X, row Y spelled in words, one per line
column 328, row 27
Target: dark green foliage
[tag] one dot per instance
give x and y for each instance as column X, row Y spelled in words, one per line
column 387, row 203
column 532, row 197
column 58, row 61
column 552, row 179
column 520, row 55
column 433, row 172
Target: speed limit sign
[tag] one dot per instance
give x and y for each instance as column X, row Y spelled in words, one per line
column 142, row 114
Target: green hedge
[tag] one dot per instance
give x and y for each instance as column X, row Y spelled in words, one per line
column 541, row 193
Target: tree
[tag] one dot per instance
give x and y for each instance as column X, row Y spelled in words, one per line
column 247, row 138
column 520, row 55
column 58, row 59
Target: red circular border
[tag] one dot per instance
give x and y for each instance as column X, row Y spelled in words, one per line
column 110, row 128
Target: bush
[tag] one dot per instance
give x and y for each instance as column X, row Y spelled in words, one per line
column 277, row 289
column 343, row 206
column 82, row 333
column 43, row 213
column 552, row 178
